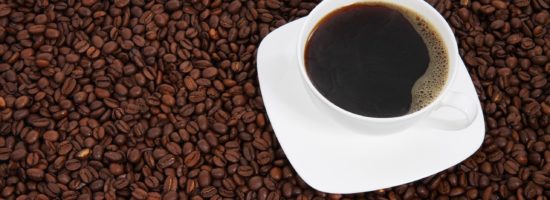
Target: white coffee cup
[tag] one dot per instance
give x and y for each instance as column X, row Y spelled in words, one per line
column 447, row 98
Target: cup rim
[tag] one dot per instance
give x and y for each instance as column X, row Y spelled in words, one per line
column 430, row 15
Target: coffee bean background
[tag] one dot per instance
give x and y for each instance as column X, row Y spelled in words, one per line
column 159, row 100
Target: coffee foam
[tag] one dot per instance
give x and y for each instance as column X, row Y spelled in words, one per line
column 428, row 87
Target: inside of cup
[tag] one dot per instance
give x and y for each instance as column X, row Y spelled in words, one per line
column 421, row 9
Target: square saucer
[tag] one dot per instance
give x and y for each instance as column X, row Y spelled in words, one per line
column 333, row 157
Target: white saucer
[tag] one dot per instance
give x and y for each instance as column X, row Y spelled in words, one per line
column 334, row 158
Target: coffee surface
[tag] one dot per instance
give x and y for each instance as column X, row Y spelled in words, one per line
column 376, row 60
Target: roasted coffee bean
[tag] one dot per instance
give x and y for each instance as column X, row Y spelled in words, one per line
column 192, row 159
column 72, row 165
column 204, row 178
column 208, row 191
column 232, row 156
column 113, row 156
column 51, row 135
column 116, row 169
column 264, row 158
column 2, row 102
column 5, row 153
column 22, row 102
column 18, row 154
column 39, row 122
column 166, row 161
column 218, row 173
column 5, row 10
column 83, row 154
column 219, row 127
column 260, row 144
column 85, row 175
column 255, row 182
column 31, row 137
column 245, row 171
column 35, row 174
column 139, row 193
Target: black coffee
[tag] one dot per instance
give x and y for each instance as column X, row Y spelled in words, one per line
column 376, row 60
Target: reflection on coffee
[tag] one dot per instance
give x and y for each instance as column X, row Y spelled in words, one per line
column 377, row 60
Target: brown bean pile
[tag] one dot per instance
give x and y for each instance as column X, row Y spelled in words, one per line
column 159, row 100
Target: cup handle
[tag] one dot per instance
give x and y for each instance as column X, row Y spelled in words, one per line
column 461, row 102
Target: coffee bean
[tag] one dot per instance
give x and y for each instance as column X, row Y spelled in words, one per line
column 275, row 173
column 5, row 10
column 209, row 72
column 260, row 144
column 139, row 193
column 192, row 159
column 68, row 86
column 208, row 191
column 32, row 159
column 197, row 96
column 172, row 5
column 72, row 165
column 35, row 174
column 116, row 169
column 232, row 156
column 21, row 102
column 472, row 194
column 255, row 182
column 245, row 171
column 274, row 195
column 511, row 167
column 287, row 190
column 2, row 102
column 85, row 175
column 52, row 33
column 218, row 173
column 514, row 183
column 154, row 132
column 456, row 191
column 497, row 24
column 4, row 153
column 264, row 158
column 234, row 6
column 422, row 191
column 31, row 137
column 18, row 154
column 203, row 145
column 39, row 122
column 170, row 184
column 152, row 182
column 204, row 178
column 113, row 156
column 51, row 135
column 173, row 148
column 121, row 3
column 18, row 115
column 166, row 161
column 109, row 47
